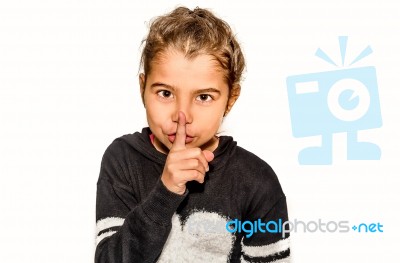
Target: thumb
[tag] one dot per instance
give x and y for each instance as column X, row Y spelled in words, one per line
column 180, row 136
column 209, row 155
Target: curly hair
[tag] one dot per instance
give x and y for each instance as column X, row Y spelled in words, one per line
column 193, row 33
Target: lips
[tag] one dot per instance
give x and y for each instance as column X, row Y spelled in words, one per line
column 171, row 138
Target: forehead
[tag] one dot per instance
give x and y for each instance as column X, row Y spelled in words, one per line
column 174, row 66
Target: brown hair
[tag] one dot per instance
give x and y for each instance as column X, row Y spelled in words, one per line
column 193, row 33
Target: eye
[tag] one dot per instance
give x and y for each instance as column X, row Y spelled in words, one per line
column 165, row 94
column 204, row 98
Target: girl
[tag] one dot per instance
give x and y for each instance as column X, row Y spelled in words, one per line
column 177, row 192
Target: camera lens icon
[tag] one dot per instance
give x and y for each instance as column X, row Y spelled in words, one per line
column 348, row 99
column 325, row 103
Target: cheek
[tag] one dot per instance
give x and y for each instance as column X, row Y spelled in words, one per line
column 211, row 121
column 216, row 112
column 157, row 114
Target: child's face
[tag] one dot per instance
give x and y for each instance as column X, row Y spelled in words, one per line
column 196, row 87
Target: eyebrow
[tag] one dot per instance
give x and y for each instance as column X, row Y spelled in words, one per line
column 200, row 91
column 158, row 84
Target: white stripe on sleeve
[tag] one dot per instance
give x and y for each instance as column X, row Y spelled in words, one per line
column 108, row 223
column 104, row 235
column 267, row 250
column 283, row 260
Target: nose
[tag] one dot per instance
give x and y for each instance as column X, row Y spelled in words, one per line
column 183, row 105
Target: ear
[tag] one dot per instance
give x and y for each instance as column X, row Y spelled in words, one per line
column 142, row 84
column 234, row 95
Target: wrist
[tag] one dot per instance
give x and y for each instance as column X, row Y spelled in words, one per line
column 173, row 188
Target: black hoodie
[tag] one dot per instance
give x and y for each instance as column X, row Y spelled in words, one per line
column 140, row 220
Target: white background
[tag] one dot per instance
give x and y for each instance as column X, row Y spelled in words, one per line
column 68, row 87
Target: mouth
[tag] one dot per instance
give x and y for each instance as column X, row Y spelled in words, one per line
column 171, row 138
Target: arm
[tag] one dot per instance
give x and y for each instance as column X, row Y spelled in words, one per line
column 266, row 246
column 128, row 230
column 133, row 230
column 268, row 204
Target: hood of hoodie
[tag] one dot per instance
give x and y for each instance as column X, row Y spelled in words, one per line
column 140, row 141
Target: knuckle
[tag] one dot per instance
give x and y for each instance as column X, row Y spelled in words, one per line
column 196, row 152
column 199, row 151
column 171, row 155
column 195, row 174
column 201, row 169
column 200, row 176
column 169, row 167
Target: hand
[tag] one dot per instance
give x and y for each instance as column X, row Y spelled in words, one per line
column 182, row 164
